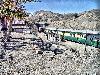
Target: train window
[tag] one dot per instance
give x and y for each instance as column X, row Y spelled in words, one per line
column 91, row 39
column 84, row 36
column 53, row 35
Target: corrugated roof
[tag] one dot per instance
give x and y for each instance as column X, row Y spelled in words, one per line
column 71, row 30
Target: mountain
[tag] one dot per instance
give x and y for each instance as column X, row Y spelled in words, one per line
column 85, row 20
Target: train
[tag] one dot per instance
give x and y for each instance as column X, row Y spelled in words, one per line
column 86, row 37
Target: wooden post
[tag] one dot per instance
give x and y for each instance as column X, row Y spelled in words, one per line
column 63, row 36
column 85, row 41
column 56, row 37
column 97, row 42
column 48, row 35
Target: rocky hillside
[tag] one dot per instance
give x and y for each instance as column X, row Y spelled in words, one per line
column 48, row 16
column 86, row 20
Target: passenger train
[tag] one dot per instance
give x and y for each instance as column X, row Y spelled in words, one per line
column 87, row 37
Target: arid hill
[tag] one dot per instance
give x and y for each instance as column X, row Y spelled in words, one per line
column 85, row 20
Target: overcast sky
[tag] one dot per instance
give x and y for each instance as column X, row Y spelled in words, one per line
column 62, row 6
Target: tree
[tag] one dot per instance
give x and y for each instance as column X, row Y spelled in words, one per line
column 10, row 9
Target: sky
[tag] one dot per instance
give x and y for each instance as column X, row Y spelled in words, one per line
column 62, row 6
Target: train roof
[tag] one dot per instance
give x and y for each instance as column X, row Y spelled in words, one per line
column 76, row 31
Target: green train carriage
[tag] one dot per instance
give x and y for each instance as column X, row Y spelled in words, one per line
column 88, row 37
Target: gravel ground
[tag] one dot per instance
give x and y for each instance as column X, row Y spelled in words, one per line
column 72, row 62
